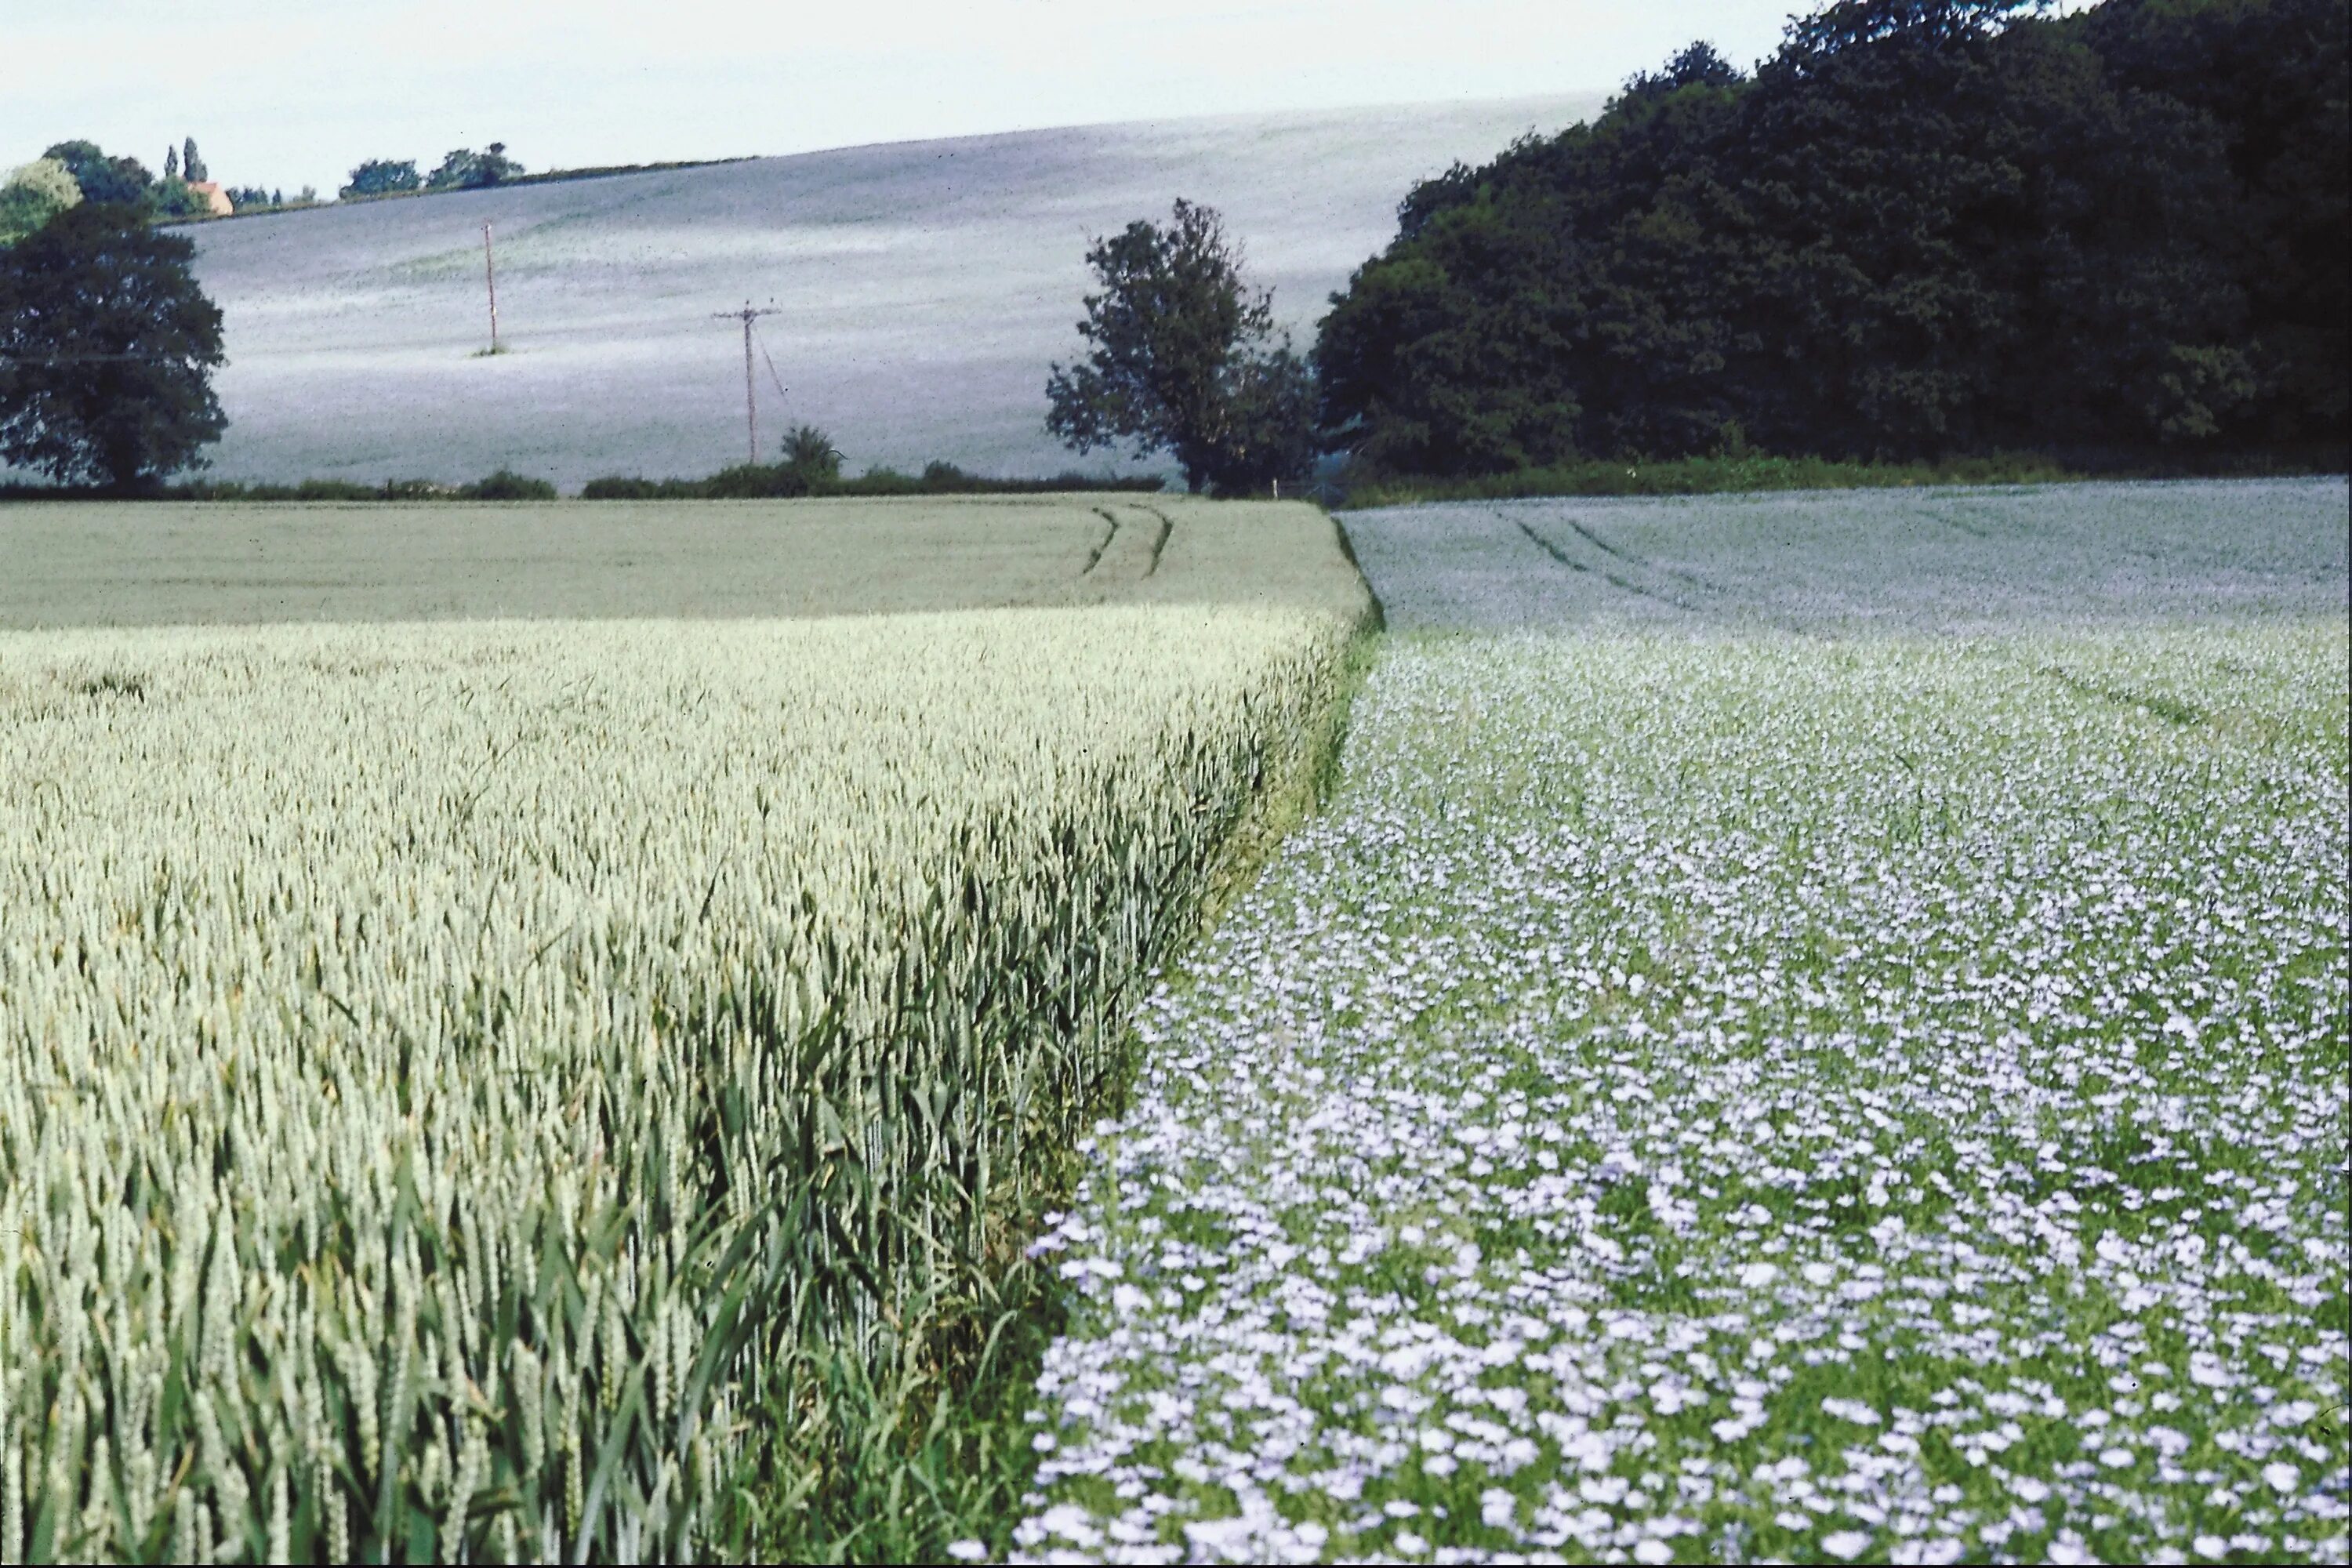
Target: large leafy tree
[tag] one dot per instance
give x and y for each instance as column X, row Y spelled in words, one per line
column 107, row 349
column 101, row 179
column 1184, row 359
column 382, row 177
column 1923, row 227
column 463, row 168
column 2272, row 77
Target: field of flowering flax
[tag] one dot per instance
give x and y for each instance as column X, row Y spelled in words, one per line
column 1739, row 1073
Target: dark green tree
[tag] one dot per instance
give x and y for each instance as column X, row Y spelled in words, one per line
column 1924, row 227
column 463, row 168
column 1184, row 359
column 174, row 199
column 103, row 179
column 2272, row 76
column 810, row 452
column 170, row 163
column 107, row 349
column 382, row 177
column 496, row 167
column 191, row 165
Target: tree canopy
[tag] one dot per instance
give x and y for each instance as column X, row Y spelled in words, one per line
column 33, row 194
column 107, row 349
column 382, row 177
column 463, row 168
column 1184, row 359
column 1922, row 228
column 101, row 179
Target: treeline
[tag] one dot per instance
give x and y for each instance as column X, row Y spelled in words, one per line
column 1923, row 229
column 765, row 481
column 460, row 169
column 68, row 173
column 809, row 464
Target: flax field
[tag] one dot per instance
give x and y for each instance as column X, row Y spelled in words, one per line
column 1813, row 1028
column 553, row 1089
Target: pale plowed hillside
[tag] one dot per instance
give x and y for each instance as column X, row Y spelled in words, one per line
column 925, row 288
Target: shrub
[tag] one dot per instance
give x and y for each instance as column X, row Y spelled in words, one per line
column 615, row 487
column 415, row 490
column 382, row 177
column 758, row 481
column 811, row 453
column 328, row 489
column 507, row 485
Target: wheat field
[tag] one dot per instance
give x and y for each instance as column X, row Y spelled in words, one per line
column 465, row 1082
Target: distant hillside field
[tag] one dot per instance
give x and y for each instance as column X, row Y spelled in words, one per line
column 925, row 287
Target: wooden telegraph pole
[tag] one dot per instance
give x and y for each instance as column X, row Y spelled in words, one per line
column 491, row 276
column 747, row 315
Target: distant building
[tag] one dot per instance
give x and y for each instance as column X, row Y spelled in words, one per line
column 216, row 200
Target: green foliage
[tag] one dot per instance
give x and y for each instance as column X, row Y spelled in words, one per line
column 1924, row 227
column 620, row 487
column 463, row 168
column 120, row 181
column 2271, row 77
column 382, row 177
column 192, row 166
column 811, row 452
column 107, row 349
column 946, row 479
column 173, row 198
column 1710, row 475
column 33, row 194
column 307, row 490
column 754, row 482
column 757, row 481
column 1184, row 360
column 507, row 485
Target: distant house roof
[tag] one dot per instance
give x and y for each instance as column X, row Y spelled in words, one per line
column 215, row 199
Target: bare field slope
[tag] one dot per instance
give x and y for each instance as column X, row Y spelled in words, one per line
column 924, row 288
column 175, row 564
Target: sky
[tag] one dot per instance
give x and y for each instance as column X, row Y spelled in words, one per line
column 284, row 94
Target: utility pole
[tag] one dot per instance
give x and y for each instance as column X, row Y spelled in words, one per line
column 491, row 276
column 747, row 315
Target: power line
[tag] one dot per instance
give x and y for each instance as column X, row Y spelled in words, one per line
column 781, row 390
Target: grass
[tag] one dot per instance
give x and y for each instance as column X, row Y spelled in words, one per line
column 1846, row 1065
column 1721, row 475
column 163, row 562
